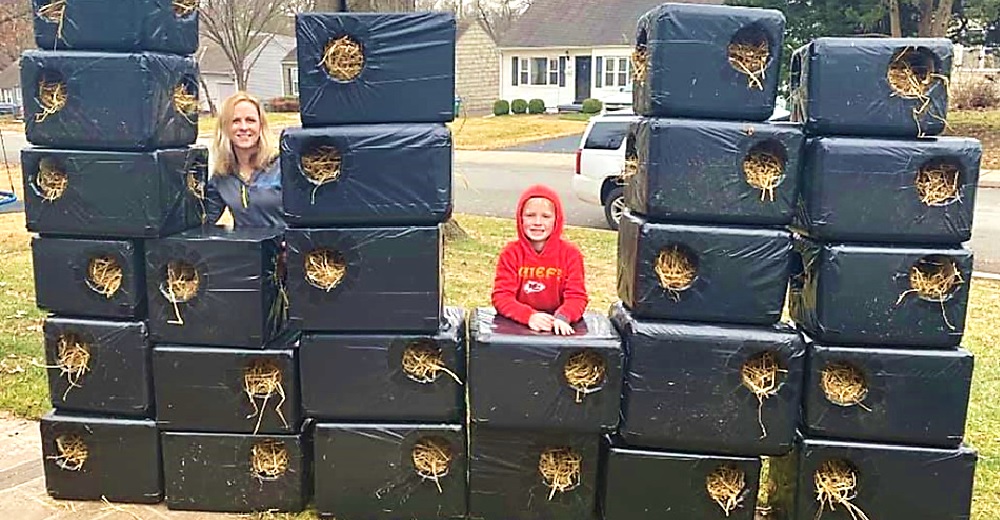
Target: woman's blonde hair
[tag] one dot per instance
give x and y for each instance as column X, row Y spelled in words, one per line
column 225, row 161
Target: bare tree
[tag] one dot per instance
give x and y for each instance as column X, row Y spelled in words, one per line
column 16, row 30
column 497, row 16
column 241, row 28
column 367, row 6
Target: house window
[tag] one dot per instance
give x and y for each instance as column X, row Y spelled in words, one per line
column 539, row 70
column 616, row 71
column 553, row 72
column 524, row 71
column 293, row 80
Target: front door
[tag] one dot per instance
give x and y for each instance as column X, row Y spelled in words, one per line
column 582, row 78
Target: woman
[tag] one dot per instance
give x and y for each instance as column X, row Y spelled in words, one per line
column 246, row 173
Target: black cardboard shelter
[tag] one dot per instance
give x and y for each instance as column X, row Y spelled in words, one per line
column 518, row 377
column 389, row 174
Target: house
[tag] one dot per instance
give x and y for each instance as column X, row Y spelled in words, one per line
column 563, row 54
column 265, row 80
column 476, row 74
column 10, row 85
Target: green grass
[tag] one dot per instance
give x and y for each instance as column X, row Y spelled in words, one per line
column 469, row 267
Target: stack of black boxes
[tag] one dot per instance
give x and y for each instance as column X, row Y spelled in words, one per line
column 713, row 380
column 882, row 289
column 367, row 185
column 111, row 110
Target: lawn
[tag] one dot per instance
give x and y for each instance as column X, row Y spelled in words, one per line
column 984, row 126
column 469, row 265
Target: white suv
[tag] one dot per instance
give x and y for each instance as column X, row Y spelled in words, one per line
column 599, row 162
column 600, row 159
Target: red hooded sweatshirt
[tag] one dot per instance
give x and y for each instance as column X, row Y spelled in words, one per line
column 551, row 281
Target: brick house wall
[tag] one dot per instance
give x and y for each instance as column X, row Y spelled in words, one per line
column 477, row 74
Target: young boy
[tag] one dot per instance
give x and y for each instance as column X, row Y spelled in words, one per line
column 539, row 280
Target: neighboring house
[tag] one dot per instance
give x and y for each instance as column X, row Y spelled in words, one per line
column 476, row 73
column 265, row 80
column 10, row 85
column 562, row 54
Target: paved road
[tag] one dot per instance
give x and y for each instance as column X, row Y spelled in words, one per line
column 496, row 179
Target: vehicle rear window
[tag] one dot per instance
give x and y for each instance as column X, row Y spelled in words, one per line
column 607, row 135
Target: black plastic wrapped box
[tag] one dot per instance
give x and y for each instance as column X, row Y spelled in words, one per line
column 89, row 278
column 909, row 397
column 710, row 388
column 114, row 194
column 519, row 378
column 121, row 26
column 387, row 174
column 506, row 480
column 840, row 86
column 109, row 101
column 702, row 273
column 378, row 280
column 390, row 471
column 889, row 190
column 100, row 367
column 235, row 473
column 383, row 63
column 892, row 481
column 651, row 485
column 214, row 390
column 87, row 457
column 851, row 294
column 371, row 377
column 688, row 65
column 703, row 171
column 216, row 287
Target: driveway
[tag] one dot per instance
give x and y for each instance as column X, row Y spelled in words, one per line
column 560, row 145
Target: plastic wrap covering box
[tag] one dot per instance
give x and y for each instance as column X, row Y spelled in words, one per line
column 169, row 26
column 722, row 172
column 850, row 294
column 90, row 278
column 114, row 194
column 367, row 174
column 519, row 378
column 650, row 485
column 201, row 389
column 871, row 86
column 856, row 480
column 375, row 377
column 106, row 101
column 889, row 190
column 215, row 287
column 87, row 457
column 710, row 388
column 385, row 279
column 707, row 61
column 703, row 273
column 390, row 471
column 532, row 474
column 235, row 473
column 376, row 67
column 99, row 367
column 911, row 397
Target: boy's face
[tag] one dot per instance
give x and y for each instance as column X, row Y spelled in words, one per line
column 538, row 218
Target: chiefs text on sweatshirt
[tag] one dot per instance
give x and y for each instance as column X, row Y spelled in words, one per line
column 550, row 281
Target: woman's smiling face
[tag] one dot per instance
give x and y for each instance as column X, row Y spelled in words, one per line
column 245, row 128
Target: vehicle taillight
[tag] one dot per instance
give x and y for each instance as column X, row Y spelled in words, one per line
column 579, row 152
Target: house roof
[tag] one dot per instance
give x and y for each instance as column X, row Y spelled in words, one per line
column 563, row 23
column 10, row 77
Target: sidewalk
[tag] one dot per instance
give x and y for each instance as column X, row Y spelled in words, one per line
column 989, row 179
column 22, row 486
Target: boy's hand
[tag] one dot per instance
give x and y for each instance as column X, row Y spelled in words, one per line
column 561, row 328
column 541, row 322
